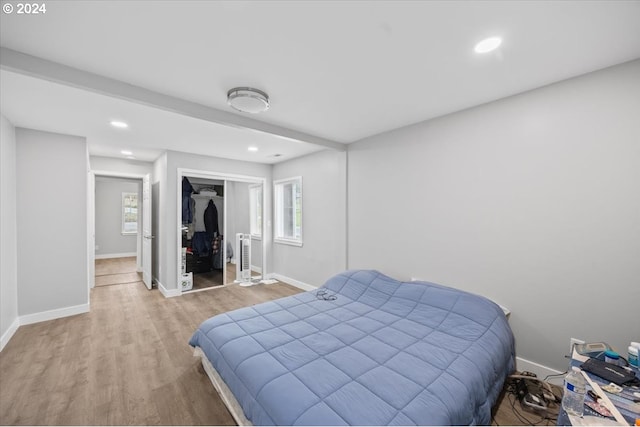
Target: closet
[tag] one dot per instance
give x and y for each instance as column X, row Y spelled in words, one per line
column 203, row 210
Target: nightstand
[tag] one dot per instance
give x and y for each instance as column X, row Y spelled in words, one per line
column 624, row 401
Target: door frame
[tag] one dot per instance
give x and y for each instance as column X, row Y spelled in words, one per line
column 91, row 236
column 221, row 176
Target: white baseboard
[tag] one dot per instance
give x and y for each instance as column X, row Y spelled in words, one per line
column 9, row 333
column 293, row 282
column 43, row 316
column 120, row 255
column 540, row 370
column 256, row 269
column 168, row 293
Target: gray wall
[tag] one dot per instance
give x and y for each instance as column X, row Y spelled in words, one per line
column 109, row 237
column 324, row 187
column 533, row 201
column 8, row 222
column 52, row 222
column 167, row 166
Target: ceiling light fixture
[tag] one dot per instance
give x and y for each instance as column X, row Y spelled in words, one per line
column 126, row 152
column 487, row 45
column 119, row 124
column 248, row 100
column 252, row 148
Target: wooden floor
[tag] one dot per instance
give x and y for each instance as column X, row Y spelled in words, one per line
column 116, row 271
column 128, row 362
column 214, row 277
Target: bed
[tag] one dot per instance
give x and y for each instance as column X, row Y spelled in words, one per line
column 364, row 349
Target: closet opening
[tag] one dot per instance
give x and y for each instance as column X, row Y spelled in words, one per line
column 202, row 238
column 213, row 210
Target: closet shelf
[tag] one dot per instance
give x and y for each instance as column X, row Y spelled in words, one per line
column 206, row 196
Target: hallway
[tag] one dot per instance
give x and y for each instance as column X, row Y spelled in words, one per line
column 116, row 271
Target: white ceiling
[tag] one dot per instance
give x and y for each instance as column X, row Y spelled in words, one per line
column 337, row 70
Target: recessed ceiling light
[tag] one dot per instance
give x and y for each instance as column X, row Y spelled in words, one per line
column 126, row 152
column 119, row 124
column 252, row 148
column 487, row 45
column 248, row 100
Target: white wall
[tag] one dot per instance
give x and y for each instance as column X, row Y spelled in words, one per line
column 533, row 201
column 108, row 199
column 52, row 222
column 160, row 226
column 168, row 245
column 324, row 187
column 8, row 237
column 120, row 166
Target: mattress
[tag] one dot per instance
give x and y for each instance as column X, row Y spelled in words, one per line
column 364, row 349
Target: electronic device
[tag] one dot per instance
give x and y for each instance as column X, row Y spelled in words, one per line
column 609, row 372
column 531, row 395
column 534, row 403
column 593, row 349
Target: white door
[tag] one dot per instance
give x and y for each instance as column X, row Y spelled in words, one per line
column 147, row 236
column 91, row 229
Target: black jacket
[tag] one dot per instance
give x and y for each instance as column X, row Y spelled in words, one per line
column 211, row 219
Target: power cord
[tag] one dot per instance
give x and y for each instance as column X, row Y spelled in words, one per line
column 517, row 389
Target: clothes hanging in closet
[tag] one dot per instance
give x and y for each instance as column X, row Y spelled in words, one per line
column 187, row 210
column 211, row 219
column 202, row 244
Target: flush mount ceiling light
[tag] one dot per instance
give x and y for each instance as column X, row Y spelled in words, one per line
column 248, row 100
column 119, row 124
column 487, row 45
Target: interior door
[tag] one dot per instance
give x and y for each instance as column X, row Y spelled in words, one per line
column 91, row 229
column 147, row 237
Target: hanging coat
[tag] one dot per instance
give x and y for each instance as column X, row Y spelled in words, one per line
column 187, row 211
column 211, row 219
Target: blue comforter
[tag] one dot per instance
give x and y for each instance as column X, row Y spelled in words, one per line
column 383, row 352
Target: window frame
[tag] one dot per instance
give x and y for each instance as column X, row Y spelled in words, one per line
column 279, row 209
column 256, row 210
column 123, row 231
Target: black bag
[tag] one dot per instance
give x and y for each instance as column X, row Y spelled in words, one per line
column 609, row 372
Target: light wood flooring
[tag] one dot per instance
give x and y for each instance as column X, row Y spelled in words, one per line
column 214, row 278
column 127, row 361
column 116, row 271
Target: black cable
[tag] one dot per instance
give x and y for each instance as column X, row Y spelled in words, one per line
column 517, row 413
column 555, row 375
column 521, row 416
column 323, row 295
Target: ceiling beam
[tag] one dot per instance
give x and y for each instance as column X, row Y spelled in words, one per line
column 18, row 62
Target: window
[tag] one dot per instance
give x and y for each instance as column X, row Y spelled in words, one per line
column 255, row 210
column 288, row 211
column 129, row 213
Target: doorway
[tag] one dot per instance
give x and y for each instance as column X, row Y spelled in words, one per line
column 119, row 236
column 117, row 223
column 212, row 209
column 202, row 238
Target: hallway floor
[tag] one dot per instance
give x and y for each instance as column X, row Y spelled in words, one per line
column 116, row 271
